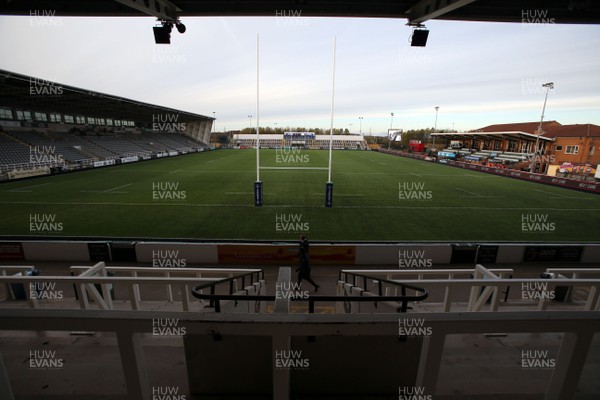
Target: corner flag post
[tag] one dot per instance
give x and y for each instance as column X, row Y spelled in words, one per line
column 329, row 184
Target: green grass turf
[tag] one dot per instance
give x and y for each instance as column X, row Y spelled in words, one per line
column 464, row 205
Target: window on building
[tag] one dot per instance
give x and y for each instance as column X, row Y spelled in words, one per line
column 100, row 121
column 559, row 148
column 117, row 122
column 40, row 116
column 6, row 113
column 109, row 122
column 23, row 115
column 91, row 120
column 572, row 150
column 69, row 119
column 80, row 119
column 55, row 117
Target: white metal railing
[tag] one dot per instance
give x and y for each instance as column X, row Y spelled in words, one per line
column 87, row 278
column 483, row 285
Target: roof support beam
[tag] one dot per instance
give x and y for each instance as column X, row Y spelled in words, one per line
column 161, row 9
column 429, row 9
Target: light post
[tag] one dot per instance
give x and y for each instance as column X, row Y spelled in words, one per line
column 435, row 126
column 390, row 132
column 214, row 119
column 350, row 129
column 360, row 126
column 250, row 116
column 548, row 86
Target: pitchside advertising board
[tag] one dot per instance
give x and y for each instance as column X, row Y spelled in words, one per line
column 553, row 253
column 11, row 251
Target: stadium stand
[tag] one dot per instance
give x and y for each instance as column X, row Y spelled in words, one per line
column 82, row 129
column 12, row 152
column 340, row 142
column 23, row 149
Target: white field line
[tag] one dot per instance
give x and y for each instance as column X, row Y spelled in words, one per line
column 28, row 187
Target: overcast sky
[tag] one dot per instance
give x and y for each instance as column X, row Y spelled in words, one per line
column 477, row 73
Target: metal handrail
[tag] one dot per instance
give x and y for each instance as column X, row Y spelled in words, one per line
column 215, row 299
column 380, row 281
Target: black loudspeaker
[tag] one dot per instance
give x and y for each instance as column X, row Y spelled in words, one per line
column 162, row 35
column 419, row 38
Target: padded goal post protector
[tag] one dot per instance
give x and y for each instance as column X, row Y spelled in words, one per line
column 329, row 194
column 258, row 194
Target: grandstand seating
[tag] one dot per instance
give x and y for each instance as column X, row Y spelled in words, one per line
column 12, row 151
column 74, row 148
column 340, row 142
column 116, row 145
column 493, row 155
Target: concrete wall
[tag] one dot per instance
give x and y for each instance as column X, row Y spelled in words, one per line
column 387, row 255
column 56, row 251
column 193, row 253
column 341, row 365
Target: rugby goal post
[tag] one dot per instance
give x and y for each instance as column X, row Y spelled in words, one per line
column 258, row 186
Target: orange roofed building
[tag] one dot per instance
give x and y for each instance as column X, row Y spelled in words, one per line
column 576, row 144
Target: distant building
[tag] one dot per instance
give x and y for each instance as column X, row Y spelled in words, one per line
column 577, row 144
column 562, row 148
